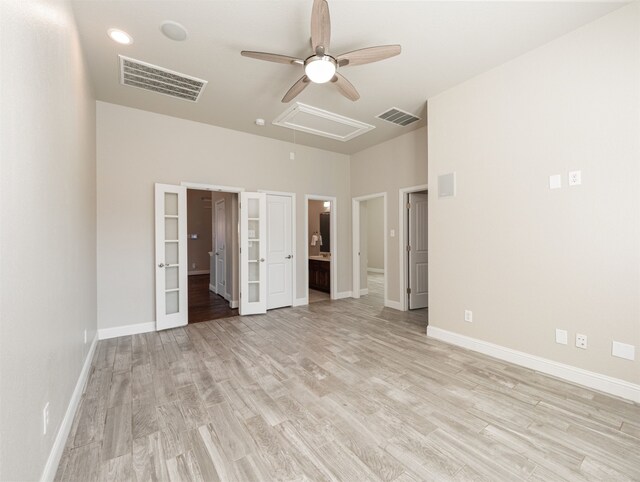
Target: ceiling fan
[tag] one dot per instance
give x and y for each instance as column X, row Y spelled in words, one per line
column 321, row 67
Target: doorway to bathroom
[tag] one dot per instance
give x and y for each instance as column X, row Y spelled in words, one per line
column 321, row 249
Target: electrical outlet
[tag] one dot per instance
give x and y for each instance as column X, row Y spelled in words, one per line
column 85, row 336
column 45, row 419
column 193, row 266
column 468, row 316
column 561, row 336
column 575, row 178
column 581, row 341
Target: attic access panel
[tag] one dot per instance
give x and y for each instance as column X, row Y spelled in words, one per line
column 305, row 118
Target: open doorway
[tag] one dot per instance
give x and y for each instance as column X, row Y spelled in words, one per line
column 212, row 254
column 414, row 255
column 321, row 248
column 369, row 271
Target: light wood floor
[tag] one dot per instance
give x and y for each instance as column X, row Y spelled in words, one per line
column 339, row 390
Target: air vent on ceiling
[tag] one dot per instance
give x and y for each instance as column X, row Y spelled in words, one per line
column 305, row 118
column 157, row 79
column 398, row 117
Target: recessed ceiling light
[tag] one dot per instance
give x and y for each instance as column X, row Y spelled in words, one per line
column 259, row 122
column 173, row 30
column 119, row 36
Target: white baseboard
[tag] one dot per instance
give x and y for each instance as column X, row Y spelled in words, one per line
column 301, row 301
column 106, row 333
column 364, row 291
column 51, row 467
column 201, row 271
column 597, row 381
column 393, row 304
column 212, row 288
column 375, row 270
column 233, row 304
column 343, row 294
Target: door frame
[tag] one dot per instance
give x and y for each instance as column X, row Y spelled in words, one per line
column 294, row 238
column 403, row 195
column 334, row 244
column 216, row 188
column 355, row 224
column 215, row 230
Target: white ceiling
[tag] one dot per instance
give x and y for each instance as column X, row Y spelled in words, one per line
column 443, row 44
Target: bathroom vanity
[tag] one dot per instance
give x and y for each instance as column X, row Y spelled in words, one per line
column 320, row 273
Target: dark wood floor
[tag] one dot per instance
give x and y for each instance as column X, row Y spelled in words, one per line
column 204, row 305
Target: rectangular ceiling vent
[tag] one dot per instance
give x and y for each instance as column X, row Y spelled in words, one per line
column 305, row 118
column 157, row 79
column 398, row 117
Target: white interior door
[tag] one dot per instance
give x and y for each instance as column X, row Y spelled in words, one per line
column 279, row 252
column 171, row 256
column 220, row 248
column 418, row 252
column 253, row 252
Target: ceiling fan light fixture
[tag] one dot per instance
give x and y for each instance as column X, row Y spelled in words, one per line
column 320, row 68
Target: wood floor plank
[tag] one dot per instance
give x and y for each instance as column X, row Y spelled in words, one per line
column 336, row 390
column 117, row 432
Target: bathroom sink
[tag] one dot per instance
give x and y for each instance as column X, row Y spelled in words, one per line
column 320, row 258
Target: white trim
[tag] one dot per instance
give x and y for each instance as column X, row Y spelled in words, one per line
column 211, row 187
column 212, row 288
column 55, row 454
column 233, row 304
column 125, row 330
column 294, row 238
column 402, row 240
column 343, row 294
column 375, row 270
column 364, row 291
column 355, row 226
column 596, row 381
column 333, row 237
column 393, row 304
column 300, row 301
column 202, row 271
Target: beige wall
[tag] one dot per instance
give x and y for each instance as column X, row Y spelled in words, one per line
column 48, row 231
column 375, row 233
column 388, row 167
column 526, row 259
column 199, row 217
column 136, row 149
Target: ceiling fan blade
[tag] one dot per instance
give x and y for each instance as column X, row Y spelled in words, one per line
column 281, row 59
column 368, row 55
column 296, row 88
column 345, row 87
column 320, row 26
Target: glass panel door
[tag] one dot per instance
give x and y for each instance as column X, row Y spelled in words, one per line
column 253, row 252
column 171, row 256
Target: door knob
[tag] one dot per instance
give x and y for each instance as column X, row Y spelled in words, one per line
column 217, row 254
column 162, row 265
column 262, row 260
column 289, row 257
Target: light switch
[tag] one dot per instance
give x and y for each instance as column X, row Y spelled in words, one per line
column 555, row 181
column 561, row 336
column 392, row 233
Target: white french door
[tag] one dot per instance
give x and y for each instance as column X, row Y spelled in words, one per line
column 253, row 253
column 171, row 256
column 418, row 252
column 279, row 252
